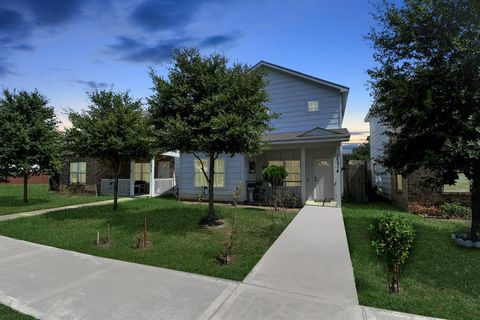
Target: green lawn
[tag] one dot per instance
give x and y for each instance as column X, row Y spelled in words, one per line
column 440, row 279
column 11, row 198
column 7, row 313
column 178, row 240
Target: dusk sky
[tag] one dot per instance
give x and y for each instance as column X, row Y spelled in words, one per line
column 65, row 48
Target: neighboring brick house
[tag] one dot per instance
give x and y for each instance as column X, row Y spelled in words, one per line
column 91, row 175
column 422, row 187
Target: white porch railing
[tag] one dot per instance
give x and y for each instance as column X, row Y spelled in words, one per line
column 163, row 186
column 106, row 187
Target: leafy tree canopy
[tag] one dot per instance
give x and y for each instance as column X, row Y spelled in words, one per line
column 426, row 87
column 114, row 128
column 207, row 106
column 29, row 141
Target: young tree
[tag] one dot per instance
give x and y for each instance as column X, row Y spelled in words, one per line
column 29, row 141
column 426, row 89
column 275, row 175
column 207, row 107
column 113, row 129
column 393, row 237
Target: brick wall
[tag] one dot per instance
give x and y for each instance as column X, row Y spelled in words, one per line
column 421, row 187
column 97, row 170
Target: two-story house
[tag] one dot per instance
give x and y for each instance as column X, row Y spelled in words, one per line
column 306, row 141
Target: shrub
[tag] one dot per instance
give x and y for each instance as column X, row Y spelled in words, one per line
column 274, row 175
column 393, row 237
column 454, row 209
column 423, row 209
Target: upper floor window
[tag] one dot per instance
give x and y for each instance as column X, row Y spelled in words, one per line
column 462, row 184
column 78, row 172
column 313, row 106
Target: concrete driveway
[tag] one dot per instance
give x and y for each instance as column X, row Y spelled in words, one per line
column 306, row 274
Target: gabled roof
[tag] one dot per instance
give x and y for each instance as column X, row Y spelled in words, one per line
column 302, row 75
column 343, row 89
column 314, row 135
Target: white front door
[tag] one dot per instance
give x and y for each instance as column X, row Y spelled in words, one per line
column 322, row 171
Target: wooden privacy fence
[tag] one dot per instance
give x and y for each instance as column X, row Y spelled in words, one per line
column 357, row 181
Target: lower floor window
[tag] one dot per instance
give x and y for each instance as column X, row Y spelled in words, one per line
column 218, row 176
column 399, row 182
column 78, row 172
column 142, row 171
column 293, row 169
column 462, row 184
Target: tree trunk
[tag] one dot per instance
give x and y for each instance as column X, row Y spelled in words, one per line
column 274, row 193
column 211, row 217
column 115, row 186
column 25, row 188
column 393, row 275
column 475, row 195
column 115, row 192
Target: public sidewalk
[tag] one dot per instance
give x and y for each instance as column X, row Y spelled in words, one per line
column 306, row 274
column 43, row 211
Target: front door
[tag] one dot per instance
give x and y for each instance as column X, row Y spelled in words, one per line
column 322, row 172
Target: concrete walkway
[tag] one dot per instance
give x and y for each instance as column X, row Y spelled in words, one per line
column 306, row 274
column 43, row 211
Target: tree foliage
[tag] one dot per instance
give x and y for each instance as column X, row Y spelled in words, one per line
column 392, row 240
column 208, row 107
column 114, row 129
column 275, row 176
column 426, row 88
column 29, row 141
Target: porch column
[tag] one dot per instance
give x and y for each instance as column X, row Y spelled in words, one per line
column 338, row 176
column 303, row 175
column 152, row 177
column 132, row 178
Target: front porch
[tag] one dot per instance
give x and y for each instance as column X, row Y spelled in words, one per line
column 314, row 173
column 143, row 177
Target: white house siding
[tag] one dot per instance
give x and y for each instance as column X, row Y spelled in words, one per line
column 235, row 172
column 381, row 178
column 289, row 96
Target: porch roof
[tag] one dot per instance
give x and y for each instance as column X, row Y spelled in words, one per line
column 315, row 135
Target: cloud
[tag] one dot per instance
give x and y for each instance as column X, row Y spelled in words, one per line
column 93, row 84
column 218, row 40
column 140, row 50
column 53, row 12
column 21, row 19
column 3, row 69
column 154, row 15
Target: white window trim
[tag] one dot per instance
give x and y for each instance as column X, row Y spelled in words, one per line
column 317, row 107
column 77, row 172
column 207, row 162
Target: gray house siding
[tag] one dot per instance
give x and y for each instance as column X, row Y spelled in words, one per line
column 381, row 178
column 235, row 172
column 289, row 96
